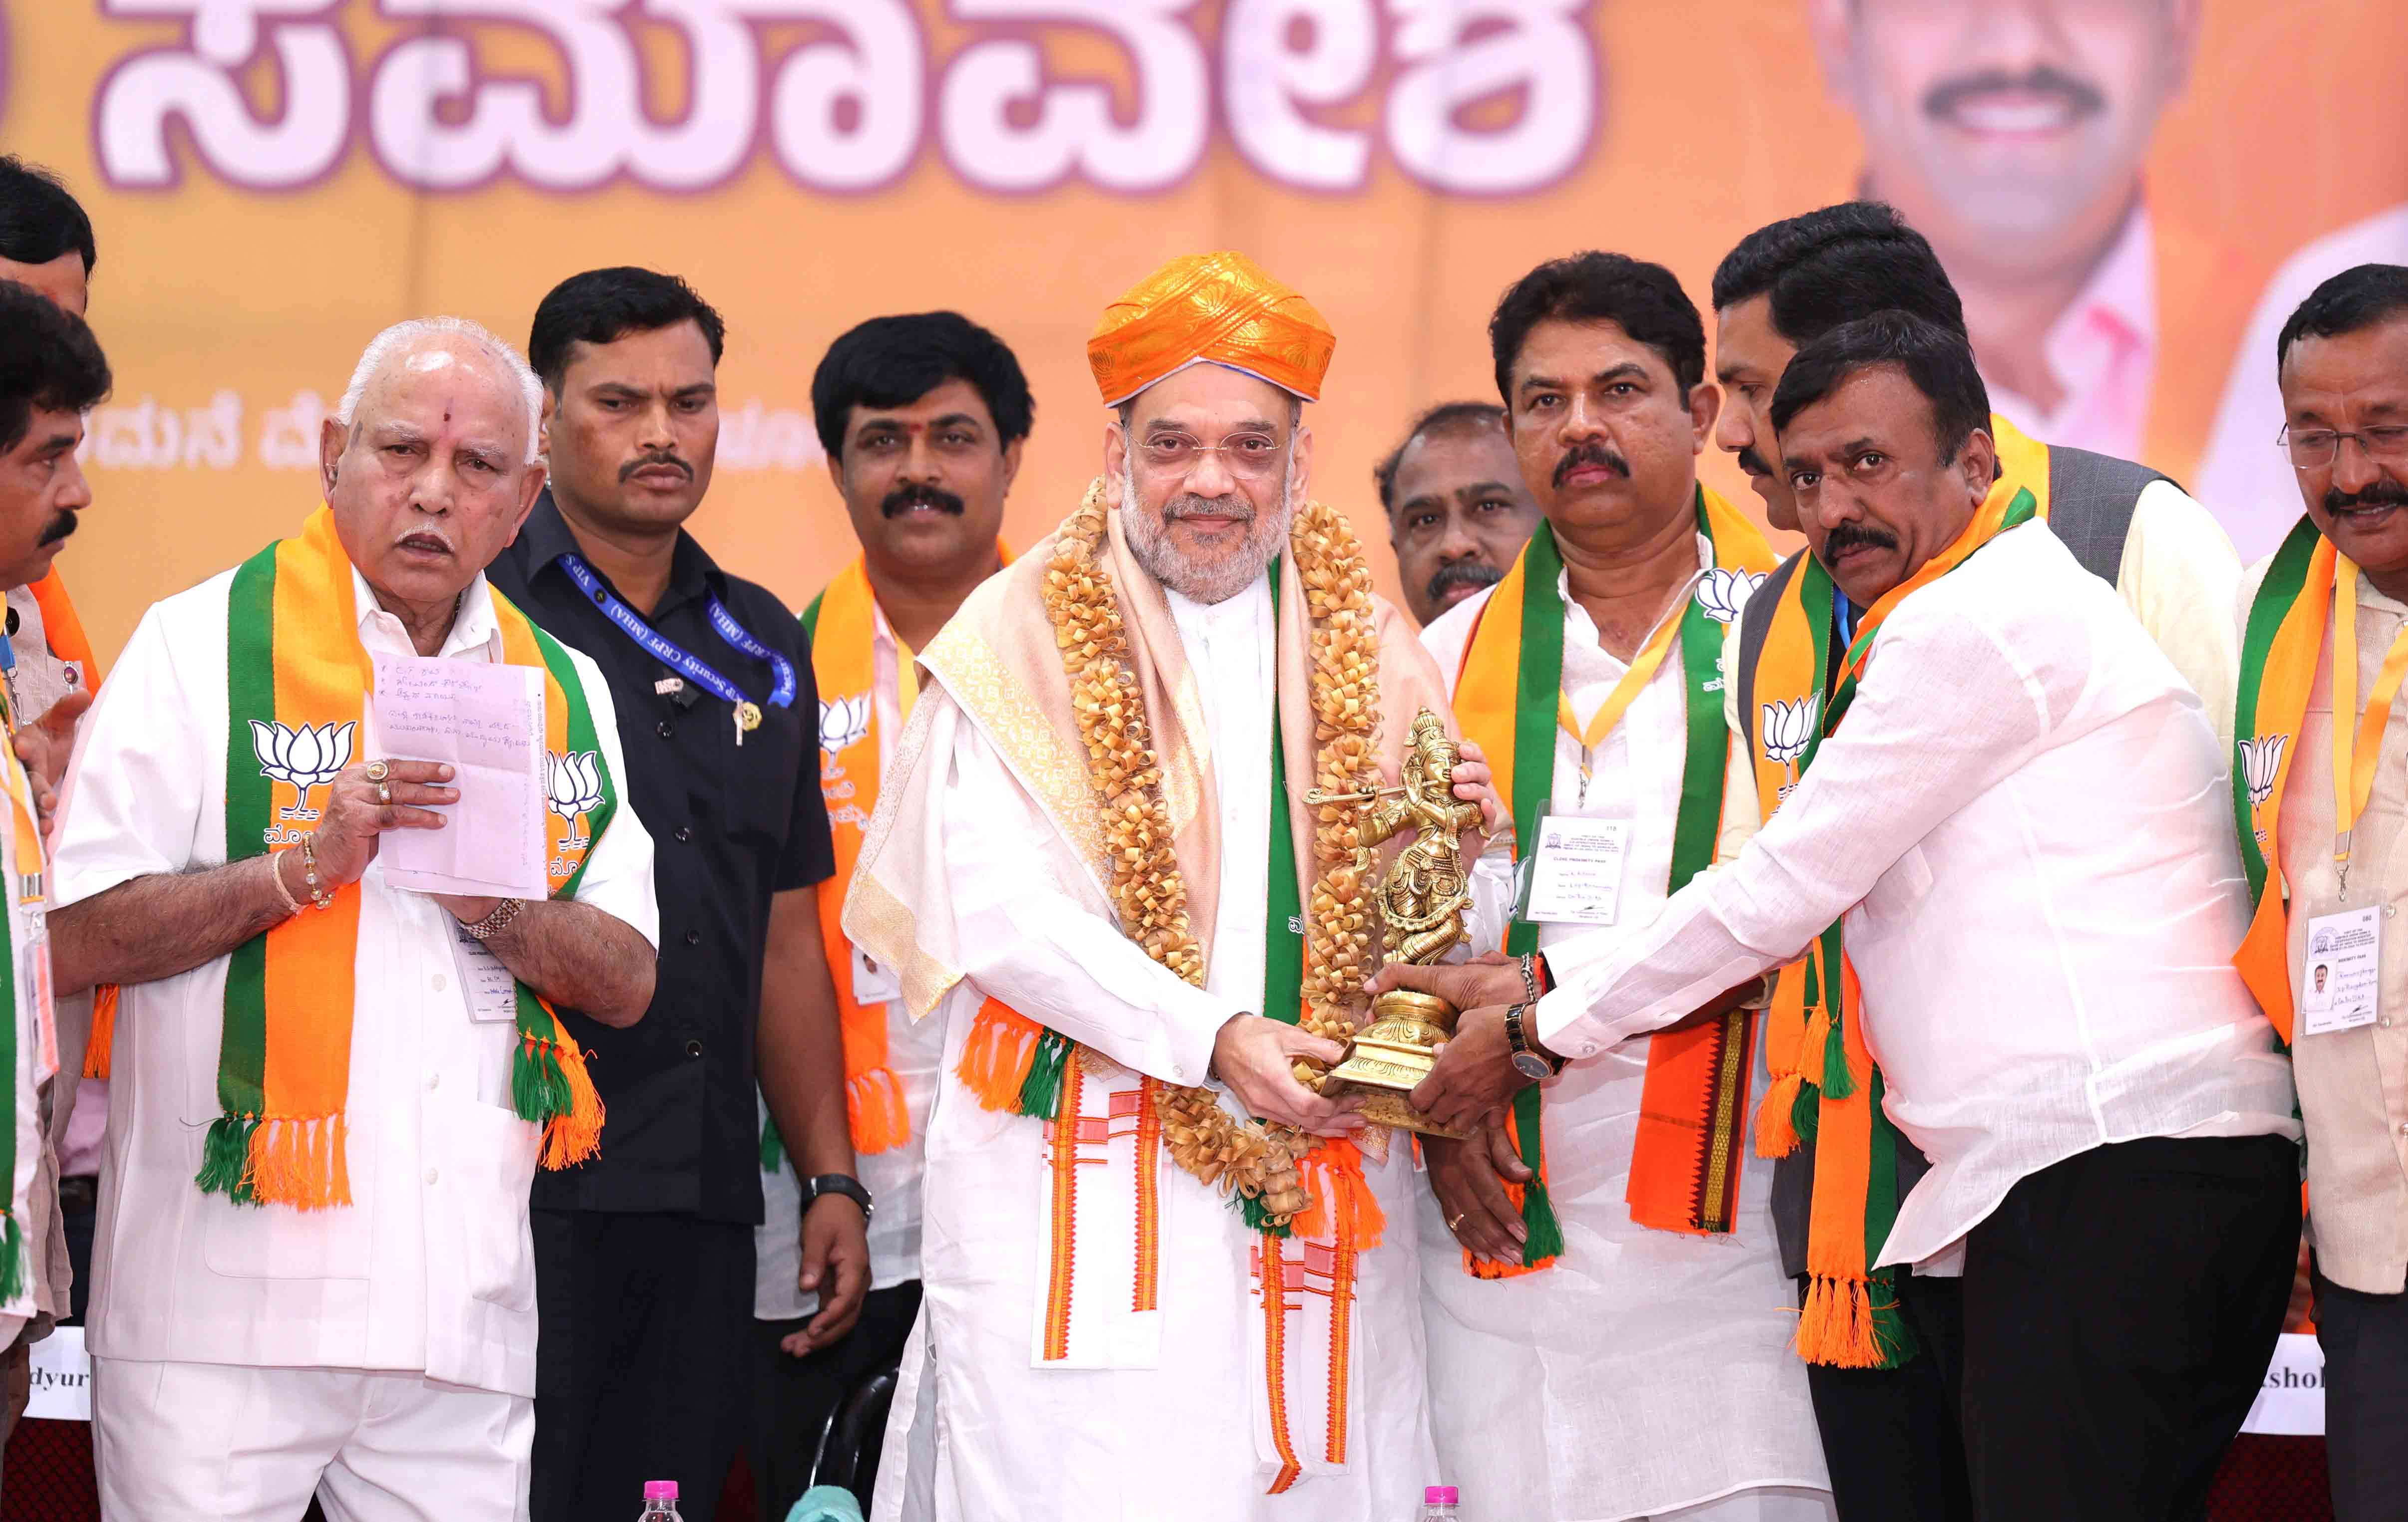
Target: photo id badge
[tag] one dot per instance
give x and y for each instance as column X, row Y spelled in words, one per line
column 1575, row 871
column 491, row 989
column 2340, row 983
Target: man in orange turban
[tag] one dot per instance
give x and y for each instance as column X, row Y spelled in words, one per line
column 1163, row 1277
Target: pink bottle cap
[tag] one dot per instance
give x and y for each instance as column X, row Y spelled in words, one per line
column 660, row 1490
column 1441, row 1495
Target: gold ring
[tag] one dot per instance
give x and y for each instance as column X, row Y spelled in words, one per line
column 378, row 770
column 1458, row 1220
column 384, row 792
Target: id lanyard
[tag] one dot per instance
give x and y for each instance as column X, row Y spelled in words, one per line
column 1626, row 691
column 678, row 659
column 2356, row 750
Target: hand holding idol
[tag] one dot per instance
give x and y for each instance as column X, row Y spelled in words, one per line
column 1257, row 1058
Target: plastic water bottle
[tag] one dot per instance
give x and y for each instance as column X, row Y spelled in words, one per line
column 660, row 1501
column 1438, row 1504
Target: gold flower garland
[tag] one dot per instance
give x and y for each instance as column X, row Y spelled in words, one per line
column 1256, row 1160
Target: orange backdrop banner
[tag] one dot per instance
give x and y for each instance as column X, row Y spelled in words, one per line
column 2124, row 190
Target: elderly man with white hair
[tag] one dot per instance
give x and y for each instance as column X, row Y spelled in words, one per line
column 312, row 1264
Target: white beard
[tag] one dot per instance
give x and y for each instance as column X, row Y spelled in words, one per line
column 1149, row 539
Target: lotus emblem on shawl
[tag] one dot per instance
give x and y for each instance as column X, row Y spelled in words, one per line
column 572, row 787
column 307, row 758
column 1789, row 726
column 2261, row 760
column 843, row 722
column 1724, row 591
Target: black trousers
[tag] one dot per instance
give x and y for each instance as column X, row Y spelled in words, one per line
column 644, row 1367
column 2113, row 1324
column 2365, row 1342
column 795, row 1397
column 1890, row 1435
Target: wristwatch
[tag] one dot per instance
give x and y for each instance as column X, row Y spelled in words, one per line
column 1528, row 1060
column 844, row 1184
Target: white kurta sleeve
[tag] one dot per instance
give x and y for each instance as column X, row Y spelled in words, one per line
column 2179, row 576
column 1025, row 941
column 619, row 874
column 133, row 799
column 1944, row 710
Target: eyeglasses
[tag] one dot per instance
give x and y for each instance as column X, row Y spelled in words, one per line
column 1244, row 454
column 2315, row 448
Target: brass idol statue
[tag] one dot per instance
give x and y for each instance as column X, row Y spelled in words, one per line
column 1423, row 901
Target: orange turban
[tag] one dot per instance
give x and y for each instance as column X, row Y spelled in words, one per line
column 1217, row 306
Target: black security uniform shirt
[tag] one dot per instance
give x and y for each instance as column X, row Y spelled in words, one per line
column 731, row 825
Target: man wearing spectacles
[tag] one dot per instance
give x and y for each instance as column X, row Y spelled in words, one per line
column 2324, row 635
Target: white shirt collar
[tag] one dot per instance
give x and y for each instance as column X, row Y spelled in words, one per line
column 1252, row 605
column 475, row 630
column 1564, row 583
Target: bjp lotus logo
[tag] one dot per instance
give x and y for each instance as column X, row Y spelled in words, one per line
column 843, row 722
column 307, row 758
column 2261, row 761
column 1788, row 728
column 572, row 789
column 1723, row 591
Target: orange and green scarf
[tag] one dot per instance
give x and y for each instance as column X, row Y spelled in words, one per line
column 841, row 628
column 298, row 679
column 25, row 975
column 1684, row 1160
column 1825, row 1084
column 2280, row 647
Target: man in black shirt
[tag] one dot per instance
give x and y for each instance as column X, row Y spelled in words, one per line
column 644, row 1256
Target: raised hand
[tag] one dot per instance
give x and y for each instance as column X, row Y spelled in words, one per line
column 360, row 808
column 45, row 744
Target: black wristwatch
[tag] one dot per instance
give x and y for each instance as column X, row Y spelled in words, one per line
column 844, row 1184
column 1528, row 1060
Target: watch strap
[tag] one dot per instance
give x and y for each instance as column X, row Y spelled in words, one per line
column 844, row 1184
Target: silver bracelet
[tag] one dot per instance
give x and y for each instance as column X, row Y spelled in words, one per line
column 1528, row 962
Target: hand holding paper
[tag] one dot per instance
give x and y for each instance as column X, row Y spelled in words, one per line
column 486, row 722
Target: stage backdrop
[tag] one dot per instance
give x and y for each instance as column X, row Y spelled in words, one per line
column 2114, row 183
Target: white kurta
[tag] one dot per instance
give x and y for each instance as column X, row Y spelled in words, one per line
column 914, row 1048
column 1156, row 1420
column 1645, row 1371
column 430, row 1269
column 2026, row 825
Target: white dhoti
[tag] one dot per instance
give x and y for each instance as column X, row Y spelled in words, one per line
column 223, row 1442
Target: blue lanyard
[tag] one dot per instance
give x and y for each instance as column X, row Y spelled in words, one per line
column 675, row 656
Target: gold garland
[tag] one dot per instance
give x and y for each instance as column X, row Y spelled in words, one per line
column 1255, row 1159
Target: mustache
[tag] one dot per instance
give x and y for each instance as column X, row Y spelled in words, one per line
column 659, row 457
column 1471, row 574
column 918, row 494
column 1753, row 462
column 59, row 528
column 1191, row 506
column 2086, row 99
column 1590, row 454
column 1849, row 536
column 2386, row 493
